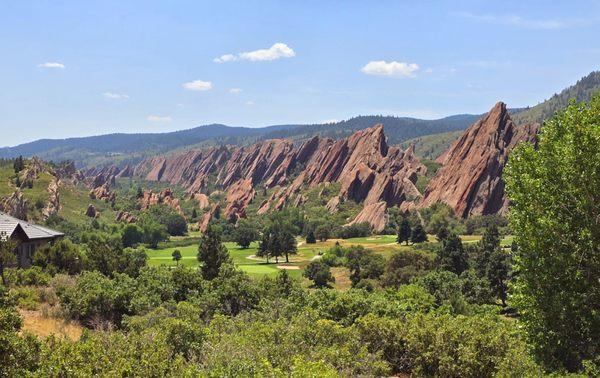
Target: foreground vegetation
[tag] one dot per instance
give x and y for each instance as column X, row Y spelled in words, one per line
column 422, row 302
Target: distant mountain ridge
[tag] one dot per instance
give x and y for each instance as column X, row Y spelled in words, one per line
column 127, row 148
column 131, row 148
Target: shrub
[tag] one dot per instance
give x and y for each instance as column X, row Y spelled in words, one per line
column 319, row 273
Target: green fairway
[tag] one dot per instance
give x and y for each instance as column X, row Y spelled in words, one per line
column 246, row 260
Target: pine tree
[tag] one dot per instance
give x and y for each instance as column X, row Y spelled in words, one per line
column 453, row 256
column 212, row 253
column 310, row 237
column 404, row 231
column 418, row 234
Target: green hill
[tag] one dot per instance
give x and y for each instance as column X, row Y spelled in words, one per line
column 583, row 90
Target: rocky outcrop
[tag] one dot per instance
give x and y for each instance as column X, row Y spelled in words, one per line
column 68, row 172
column 368, row 169
column 165, row 196
column 92, row 212
column 15, row 205
column 125, row 217
column 53, row 205
column 471, row 179
column 213, row 213
column 375, row 214
column 127, row 171
column 202, row 199
column 239, row 196
column 103, row 193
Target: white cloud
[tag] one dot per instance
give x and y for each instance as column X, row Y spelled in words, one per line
column 249, row 103
column 235, row 90
column 52, row 65
column 198, row 85
column 225, row 58
column 115, row 96
column 513, row 20
column 159, row 118
column 393, row 68
column 277, row 51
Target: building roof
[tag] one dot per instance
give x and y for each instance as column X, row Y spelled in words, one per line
column 9, row 224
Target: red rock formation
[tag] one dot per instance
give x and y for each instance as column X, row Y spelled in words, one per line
column 165, row 196
column 127, row 171
column 15, row 205
column 206, row 218
column 239, row 196
column 203, row 201
column 470, row 180
column 125, row 217
column 103, row 193
column 367, row 167
column 374, row 214
column 53, row 205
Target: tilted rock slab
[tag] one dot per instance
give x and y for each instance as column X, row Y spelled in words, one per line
column 470, row 180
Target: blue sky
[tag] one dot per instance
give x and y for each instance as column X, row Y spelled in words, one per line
column 78, row 68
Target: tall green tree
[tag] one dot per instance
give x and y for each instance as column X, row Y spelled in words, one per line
column 492, row 263
column 418, row 234
column 245, row 233
column 319, row 273
column 278, row 240
column 7, row 254
column 555, row 215
column 404, row 231
column 211, row 253
column 452, row 256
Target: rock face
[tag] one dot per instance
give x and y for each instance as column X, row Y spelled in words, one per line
column 374, row 214
column 15, row 205
column 214, row 212
column 125, row 217
column 53, row 205
column 239, row 196
column 165, row 196
column 103, row 193
column 368, row 169
column 203, row 201
column 470, row 180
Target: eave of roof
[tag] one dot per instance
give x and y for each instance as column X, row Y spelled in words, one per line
column 9, row 224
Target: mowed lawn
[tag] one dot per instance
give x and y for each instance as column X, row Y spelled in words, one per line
column 256, row 267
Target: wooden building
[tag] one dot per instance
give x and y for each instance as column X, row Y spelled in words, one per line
column 28, row 237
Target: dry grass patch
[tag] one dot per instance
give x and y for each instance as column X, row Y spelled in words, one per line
column 43, row 326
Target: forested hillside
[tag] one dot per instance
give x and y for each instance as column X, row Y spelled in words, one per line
column 583, row 90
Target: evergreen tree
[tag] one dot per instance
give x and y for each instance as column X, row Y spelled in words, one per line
column 310, row 237
column 404, row 231
column 211, row 253
column 18, row 165
column 442, row 234
column 194, row 214
column 418, row 234
column 7, row 254
column 452, row 256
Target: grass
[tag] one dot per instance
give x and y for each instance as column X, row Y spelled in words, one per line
column 43, row 326
column 257, row 267
column 7, row 174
